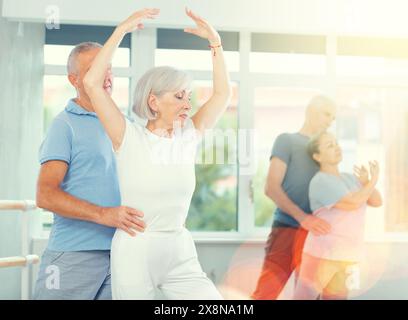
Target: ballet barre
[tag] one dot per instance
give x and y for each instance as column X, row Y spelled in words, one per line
column 19, row 261
column 22, row 205
column 25, row 260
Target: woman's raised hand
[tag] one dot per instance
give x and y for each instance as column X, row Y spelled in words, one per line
column 203, row 29
column 362, row 174
column 374, row 171
column 135, row 21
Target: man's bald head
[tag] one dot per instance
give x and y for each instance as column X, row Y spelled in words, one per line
column 320, row 102
column 320, row 113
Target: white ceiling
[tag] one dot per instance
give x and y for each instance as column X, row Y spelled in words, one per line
column 351, row 17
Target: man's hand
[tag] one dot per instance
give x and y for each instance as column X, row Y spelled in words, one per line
column 124, row 218
column 315, row 225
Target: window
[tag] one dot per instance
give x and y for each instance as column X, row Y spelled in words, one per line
column 58, row 54
column 372, row 57
column 187, row 52
column 288, row 54
column 380, row 133
column 284, row 72
column 214, row 205
column 57, row 92
column 372, row 93
column 193, row 59
column 371, row 66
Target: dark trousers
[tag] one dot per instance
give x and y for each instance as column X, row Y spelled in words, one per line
column 283, row 253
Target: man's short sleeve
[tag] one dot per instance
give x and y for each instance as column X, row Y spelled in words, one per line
column 326, row 191
column 282, row 148
column 58, row 143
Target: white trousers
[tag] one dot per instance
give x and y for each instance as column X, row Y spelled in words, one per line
column 152, row 261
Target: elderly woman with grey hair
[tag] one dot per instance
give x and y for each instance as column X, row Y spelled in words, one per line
column 156, row 168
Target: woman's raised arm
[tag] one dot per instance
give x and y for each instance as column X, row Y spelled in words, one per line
column 207, row 116
column 367, row 194
column 109, row 114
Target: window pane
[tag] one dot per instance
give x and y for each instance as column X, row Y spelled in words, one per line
column 287, row 63
column 57, row 92
column 288, row 43
column 178, row 39
column 120, row 93
column 379, row 132
column 58, row 55
column 277, row 110
column 193, row 59
column 371, row 66
column 372, row 47
column 214, row 203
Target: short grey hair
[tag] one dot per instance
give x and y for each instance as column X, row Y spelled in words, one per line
column 158, row 81
column 79, row 48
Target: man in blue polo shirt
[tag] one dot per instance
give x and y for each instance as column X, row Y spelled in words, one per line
column 78, row 183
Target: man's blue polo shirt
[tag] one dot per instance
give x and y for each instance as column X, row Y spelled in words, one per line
column 77, row 137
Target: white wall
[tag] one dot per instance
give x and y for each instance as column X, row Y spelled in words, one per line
column 368, row 17
column 21, row 70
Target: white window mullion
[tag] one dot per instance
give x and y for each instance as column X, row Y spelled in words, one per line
column 208, row 75
column 246, row 214
column 143, row 46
